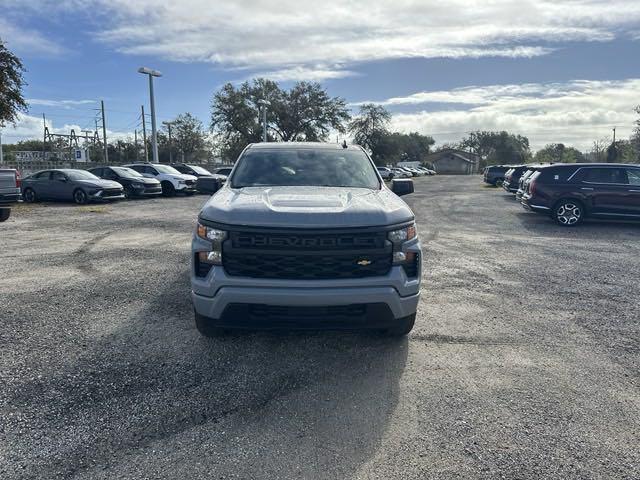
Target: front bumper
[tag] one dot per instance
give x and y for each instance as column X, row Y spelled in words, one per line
column 99, row 196
column 216, row 294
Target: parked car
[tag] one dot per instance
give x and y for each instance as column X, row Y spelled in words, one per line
column 573, row 192
column 306, row 235
column 69, row 184
column 512, row 178
column 9, row 191
column 133, row 183
column 207, row 182
column 494, row 174
column 171, row 180
column 386, row 173
column 401, row 173
column 523, row 182
column 226, row 171
column 426, row 170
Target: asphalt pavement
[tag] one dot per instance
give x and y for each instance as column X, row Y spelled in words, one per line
column 524, row 362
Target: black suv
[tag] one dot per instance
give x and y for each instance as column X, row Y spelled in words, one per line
column 572, row 192
column 512, row 178
column 494, row 174
column 133, row 183
column 207, row 182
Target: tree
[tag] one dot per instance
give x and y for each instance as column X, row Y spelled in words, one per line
column 497, row 147
column 11, row 84
column 370, row 129
column 188, row 137
column 306, row 112
column 558, row 153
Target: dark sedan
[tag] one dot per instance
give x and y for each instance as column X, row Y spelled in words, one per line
column 69, row 184
column 207, row 182
column 133, row 183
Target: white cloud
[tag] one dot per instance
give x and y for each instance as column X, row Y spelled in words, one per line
column 575, row 113
column 316, row 73
column 59, row 103
column 289, row 37
column 25, row 40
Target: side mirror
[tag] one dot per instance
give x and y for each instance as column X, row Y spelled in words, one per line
column 63, row 179
column 402, row 186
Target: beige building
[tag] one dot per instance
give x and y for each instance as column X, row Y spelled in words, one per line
column 453, row 162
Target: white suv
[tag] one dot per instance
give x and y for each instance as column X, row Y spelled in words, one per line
column 172, row 180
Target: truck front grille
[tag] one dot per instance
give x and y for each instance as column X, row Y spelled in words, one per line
column 308, row 255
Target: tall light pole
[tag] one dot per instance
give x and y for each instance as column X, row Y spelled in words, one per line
column 154, row 139
column 264, row 104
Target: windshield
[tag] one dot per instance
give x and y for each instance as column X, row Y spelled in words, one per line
column 80, row 175
column 200, row 170
column 166, row 169
column 126, row 172
column 305, row 167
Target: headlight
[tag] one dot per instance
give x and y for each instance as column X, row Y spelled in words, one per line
column 181, row 182
column 403, row 235
column 137, row 185
column 213, row 256
column 212, row 234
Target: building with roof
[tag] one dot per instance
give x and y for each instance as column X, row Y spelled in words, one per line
column 451, row 161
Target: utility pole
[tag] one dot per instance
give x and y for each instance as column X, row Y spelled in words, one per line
column 104, row 134
column 1, row 156
column 168, row 125
column 264, row 104
column 144, row 135
column 44, row 137
column 614, row 135
column 135, row 142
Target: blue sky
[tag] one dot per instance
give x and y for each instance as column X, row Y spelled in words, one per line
column 554, row 71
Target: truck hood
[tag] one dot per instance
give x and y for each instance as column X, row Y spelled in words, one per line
column 306, row 207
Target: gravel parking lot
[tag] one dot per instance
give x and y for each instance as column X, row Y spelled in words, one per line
column 524, row 362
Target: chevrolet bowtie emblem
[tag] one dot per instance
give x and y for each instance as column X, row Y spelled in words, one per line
column 364, row 262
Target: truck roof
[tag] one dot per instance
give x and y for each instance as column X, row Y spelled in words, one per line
column 299, row 145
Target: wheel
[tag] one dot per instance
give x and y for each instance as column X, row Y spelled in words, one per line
column 5, row 213
column 403, row 326
column 80, row 197
column 168, row 190
column 29, row 195
column 203, row 324
column 568, row 212
column 128, row 192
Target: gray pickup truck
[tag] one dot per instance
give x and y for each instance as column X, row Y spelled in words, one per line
column 9, row 191
column 306, row 235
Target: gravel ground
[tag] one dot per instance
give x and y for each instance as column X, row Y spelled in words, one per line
column 524, row 362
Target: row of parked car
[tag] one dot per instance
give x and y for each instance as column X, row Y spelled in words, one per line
column 572, row 192
column 118, row 182
column 389, row 173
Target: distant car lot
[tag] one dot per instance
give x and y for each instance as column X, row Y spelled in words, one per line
column 523, row 363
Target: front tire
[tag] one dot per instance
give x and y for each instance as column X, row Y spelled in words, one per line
column 5, row 213
column 80, row 197
column 168, row 190
column 128, row 192
column 402, row 327
column 568, row 213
